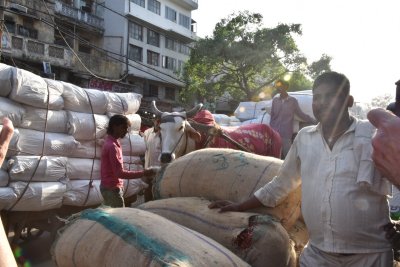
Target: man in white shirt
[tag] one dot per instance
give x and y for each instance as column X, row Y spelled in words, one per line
column 344, row 200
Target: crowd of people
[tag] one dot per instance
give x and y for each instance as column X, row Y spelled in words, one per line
column 345, row 167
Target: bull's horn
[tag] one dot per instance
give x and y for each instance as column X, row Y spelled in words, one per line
column 155, row 110
column 194, row 110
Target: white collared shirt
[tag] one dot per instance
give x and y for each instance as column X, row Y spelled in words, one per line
column 341, row 215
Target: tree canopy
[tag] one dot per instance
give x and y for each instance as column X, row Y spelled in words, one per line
column 244, row 58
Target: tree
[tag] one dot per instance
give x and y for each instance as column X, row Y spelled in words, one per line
column 244, row 59
column 381, row 101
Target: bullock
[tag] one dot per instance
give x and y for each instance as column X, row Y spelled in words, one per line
column 178, row 137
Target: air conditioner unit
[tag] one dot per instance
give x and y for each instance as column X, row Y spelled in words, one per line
column 19, row 8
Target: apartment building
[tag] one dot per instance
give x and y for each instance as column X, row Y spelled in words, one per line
column 155, row 36
column 61, row 39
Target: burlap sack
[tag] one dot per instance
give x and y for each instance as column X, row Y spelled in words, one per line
column 257, row 239
column 216, row 173
column 133, row 237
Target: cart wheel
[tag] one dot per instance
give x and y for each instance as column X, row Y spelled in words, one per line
column 29, row 233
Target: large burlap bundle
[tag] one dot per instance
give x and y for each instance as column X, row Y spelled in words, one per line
column 7, row 74
column 123, row 103
column 83, row 169
column 54, row 121
column 260, row 240
column 133, row 237
column 56, row 144
column 31, row 89
column 234, row 175
column 37, row 169
column 38, row 196
column 84, row 126
column 11, row 110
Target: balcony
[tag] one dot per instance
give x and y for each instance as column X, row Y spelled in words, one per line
column 79, row 15
column 25, row 48
column 28, row 49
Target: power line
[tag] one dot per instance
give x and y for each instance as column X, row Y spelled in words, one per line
column 76, row 37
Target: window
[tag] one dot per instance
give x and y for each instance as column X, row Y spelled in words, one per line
column 170, row 44
column 170, row 14
column 153, row 58
column 59, row 40
column 27, row 32
column 169, row 93
column 184, row 49
column 153, row 90
column 184, row 21
column 135, row 53
column 153, row 38
column 10, row 25
column 180, row 66
column 169, row 63
column 135, row 31
column 154, row 6
column 138, row 2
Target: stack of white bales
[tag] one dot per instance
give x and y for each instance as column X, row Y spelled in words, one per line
column 54, row 155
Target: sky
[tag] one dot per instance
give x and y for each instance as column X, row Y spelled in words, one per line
column 362, row 37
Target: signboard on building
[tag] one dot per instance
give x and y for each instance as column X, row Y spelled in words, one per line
column 110, row 86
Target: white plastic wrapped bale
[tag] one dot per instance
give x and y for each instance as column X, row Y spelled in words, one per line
column 55, row 85
column 222, row 119
column 55, row 144
column 31, row 89
column 7, row 74
column 11, row 110
column 88, row 149
column 84, row 126
column 264, row 119
column 134, row 119
column 83, row 169
column 35, row 119
column 84, row 100
column 37, row 169
column 7, row 197
column 133, row 237
column 245, row 111
column 123, row 103
column 38, row 196
column 4, row 178
column 80, row 193
column 133, row 144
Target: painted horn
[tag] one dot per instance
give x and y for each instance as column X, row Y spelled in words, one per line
column 155, row 110
column 194, row 110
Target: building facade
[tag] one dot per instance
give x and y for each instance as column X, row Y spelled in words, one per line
column 61, row 39
column 155, row 37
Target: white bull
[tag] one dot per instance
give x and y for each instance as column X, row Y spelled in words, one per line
column 177, row 137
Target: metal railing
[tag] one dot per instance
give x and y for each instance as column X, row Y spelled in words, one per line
column 77, row 14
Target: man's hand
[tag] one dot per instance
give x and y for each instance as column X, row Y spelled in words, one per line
column 386, row 144
column 151, row 171
column 224, row 205
column 8, row 129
